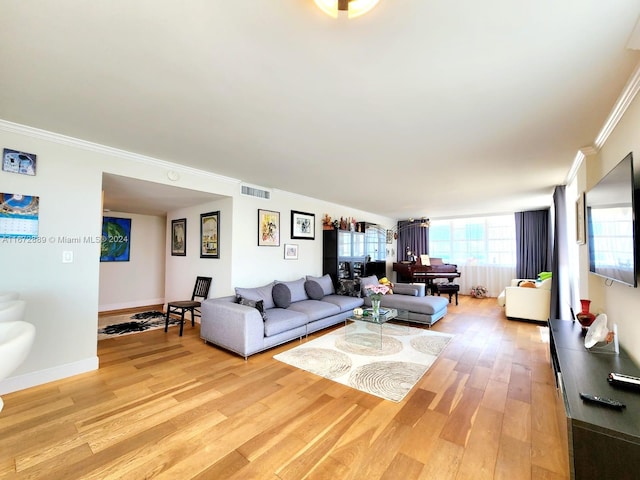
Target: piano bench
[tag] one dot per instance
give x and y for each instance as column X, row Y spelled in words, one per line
column 450, row 288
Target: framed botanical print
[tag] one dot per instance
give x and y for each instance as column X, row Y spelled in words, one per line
column 268, row 228
column 210, row 235
column 303, row 225
column 179, row 237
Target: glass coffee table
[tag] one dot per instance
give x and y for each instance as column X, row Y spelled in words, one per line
column 386, row 314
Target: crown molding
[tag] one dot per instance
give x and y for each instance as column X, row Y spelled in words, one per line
column 11, row 127
column 624, row 100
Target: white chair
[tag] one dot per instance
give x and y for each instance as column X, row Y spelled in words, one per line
column 16, row 339
column 527, row 303
column 12, row 310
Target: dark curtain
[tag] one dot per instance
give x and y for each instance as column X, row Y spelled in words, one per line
column 560, row 256
column 532, row 240
column 413, row 237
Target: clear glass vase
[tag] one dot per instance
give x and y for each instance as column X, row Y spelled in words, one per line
column 375, row 307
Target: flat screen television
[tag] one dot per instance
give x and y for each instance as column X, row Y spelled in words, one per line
column 610, row 222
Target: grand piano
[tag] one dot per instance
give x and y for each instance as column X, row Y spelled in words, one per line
column 416, row 272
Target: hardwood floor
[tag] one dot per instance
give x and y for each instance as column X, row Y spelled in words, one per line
column 164, row 406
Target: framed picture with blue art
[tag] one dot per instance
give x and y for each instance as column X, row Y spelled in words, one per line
column 116, row 239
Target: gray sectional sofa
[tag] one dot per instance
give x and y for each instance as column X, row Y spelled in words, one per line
column 256, row 319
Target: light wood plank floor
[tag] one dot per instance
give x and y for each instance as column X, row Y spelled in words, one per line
column 161, row 406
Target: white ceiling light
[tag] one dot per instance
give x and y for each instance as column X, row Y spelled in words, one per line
column 353, row 8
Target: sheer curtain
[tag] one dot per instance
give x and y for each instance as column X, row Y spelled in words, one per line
column 483, row 248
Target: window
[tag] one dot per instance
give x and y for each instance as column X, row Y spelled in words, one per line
column 375, row 243
column 476, row 240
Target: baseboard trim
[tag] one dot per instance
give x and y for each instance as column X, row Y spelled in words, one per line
column 33, row 379
column 127, row 305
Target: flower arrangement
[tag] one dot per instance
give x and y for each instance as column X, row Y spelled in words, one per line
column 479, row 291
column 375, row 292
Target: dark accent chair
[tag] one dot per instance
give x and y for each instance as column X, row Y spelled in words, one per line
column 200, row 291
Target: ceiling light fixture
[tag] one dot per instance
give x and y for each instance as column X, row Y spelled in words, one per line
column 353, row 8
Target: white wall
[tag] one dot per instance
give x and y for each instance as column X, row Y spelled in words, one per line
column 183, row 270
column 255, row 265
column 620, row 303
column 140, row 281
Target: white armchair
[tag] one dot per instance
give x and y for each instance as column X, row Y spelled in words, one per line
column 527, row 303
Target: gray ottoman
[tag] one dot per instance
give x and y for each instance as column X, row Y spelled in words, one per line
column 427, row 310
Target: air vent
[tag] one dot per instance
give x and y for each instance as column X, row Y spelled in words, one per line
column 255, row 192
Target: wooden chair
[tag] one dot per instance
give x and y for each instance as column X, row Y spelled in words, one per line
column 200, row 291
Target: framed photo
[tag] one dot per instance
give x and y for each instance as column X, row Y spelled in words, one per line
column 116, row 239
column 268, row 228
column 290, row 251
column 209, row 235
column 179, row 237
column 303, row 225
column 580, row 220
column 18, row 162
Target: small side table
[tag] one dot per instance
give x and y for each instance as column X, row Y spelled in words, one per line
column 450, row 288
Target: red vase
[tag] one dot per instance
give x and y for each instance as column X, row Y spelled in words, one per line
column 585, row 317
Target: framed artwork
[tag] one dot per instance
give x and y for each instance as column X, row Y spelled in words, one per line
column 290, row 251
column 19, row 215
column 179, row 237
column 303, row 225
column 268, row 228
column 209, row 235
column 580, row 220
column 116, row 239
column 18, row 162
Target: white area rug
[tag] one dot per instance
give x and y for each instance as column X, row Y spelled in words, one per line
column 355, row 358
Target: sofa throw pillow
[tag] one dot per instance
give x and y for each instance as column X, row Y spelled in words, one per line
column 349, row 288
column 281, row 295
column 314, row 290
column 325, row 282
column 263, row 293
column 296, row 287
column 527, row 284
column 257, row 304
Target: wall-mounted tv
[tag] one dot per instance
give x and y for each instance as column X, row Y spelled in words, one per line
column 610, row 209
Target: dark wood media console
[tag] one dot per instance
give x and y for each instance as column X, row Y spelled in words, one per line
column 603, row 442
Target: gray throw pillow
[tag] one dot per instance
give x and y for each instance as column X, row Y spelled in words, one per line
column 314, row 290
column 281, row 295
column 325, row 282
column 257, row 304
column 258, row 293
column 296, row 287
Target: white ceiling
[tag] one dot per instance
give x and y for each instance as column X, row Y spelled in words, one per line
column 421, row 107
column 123, row 194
